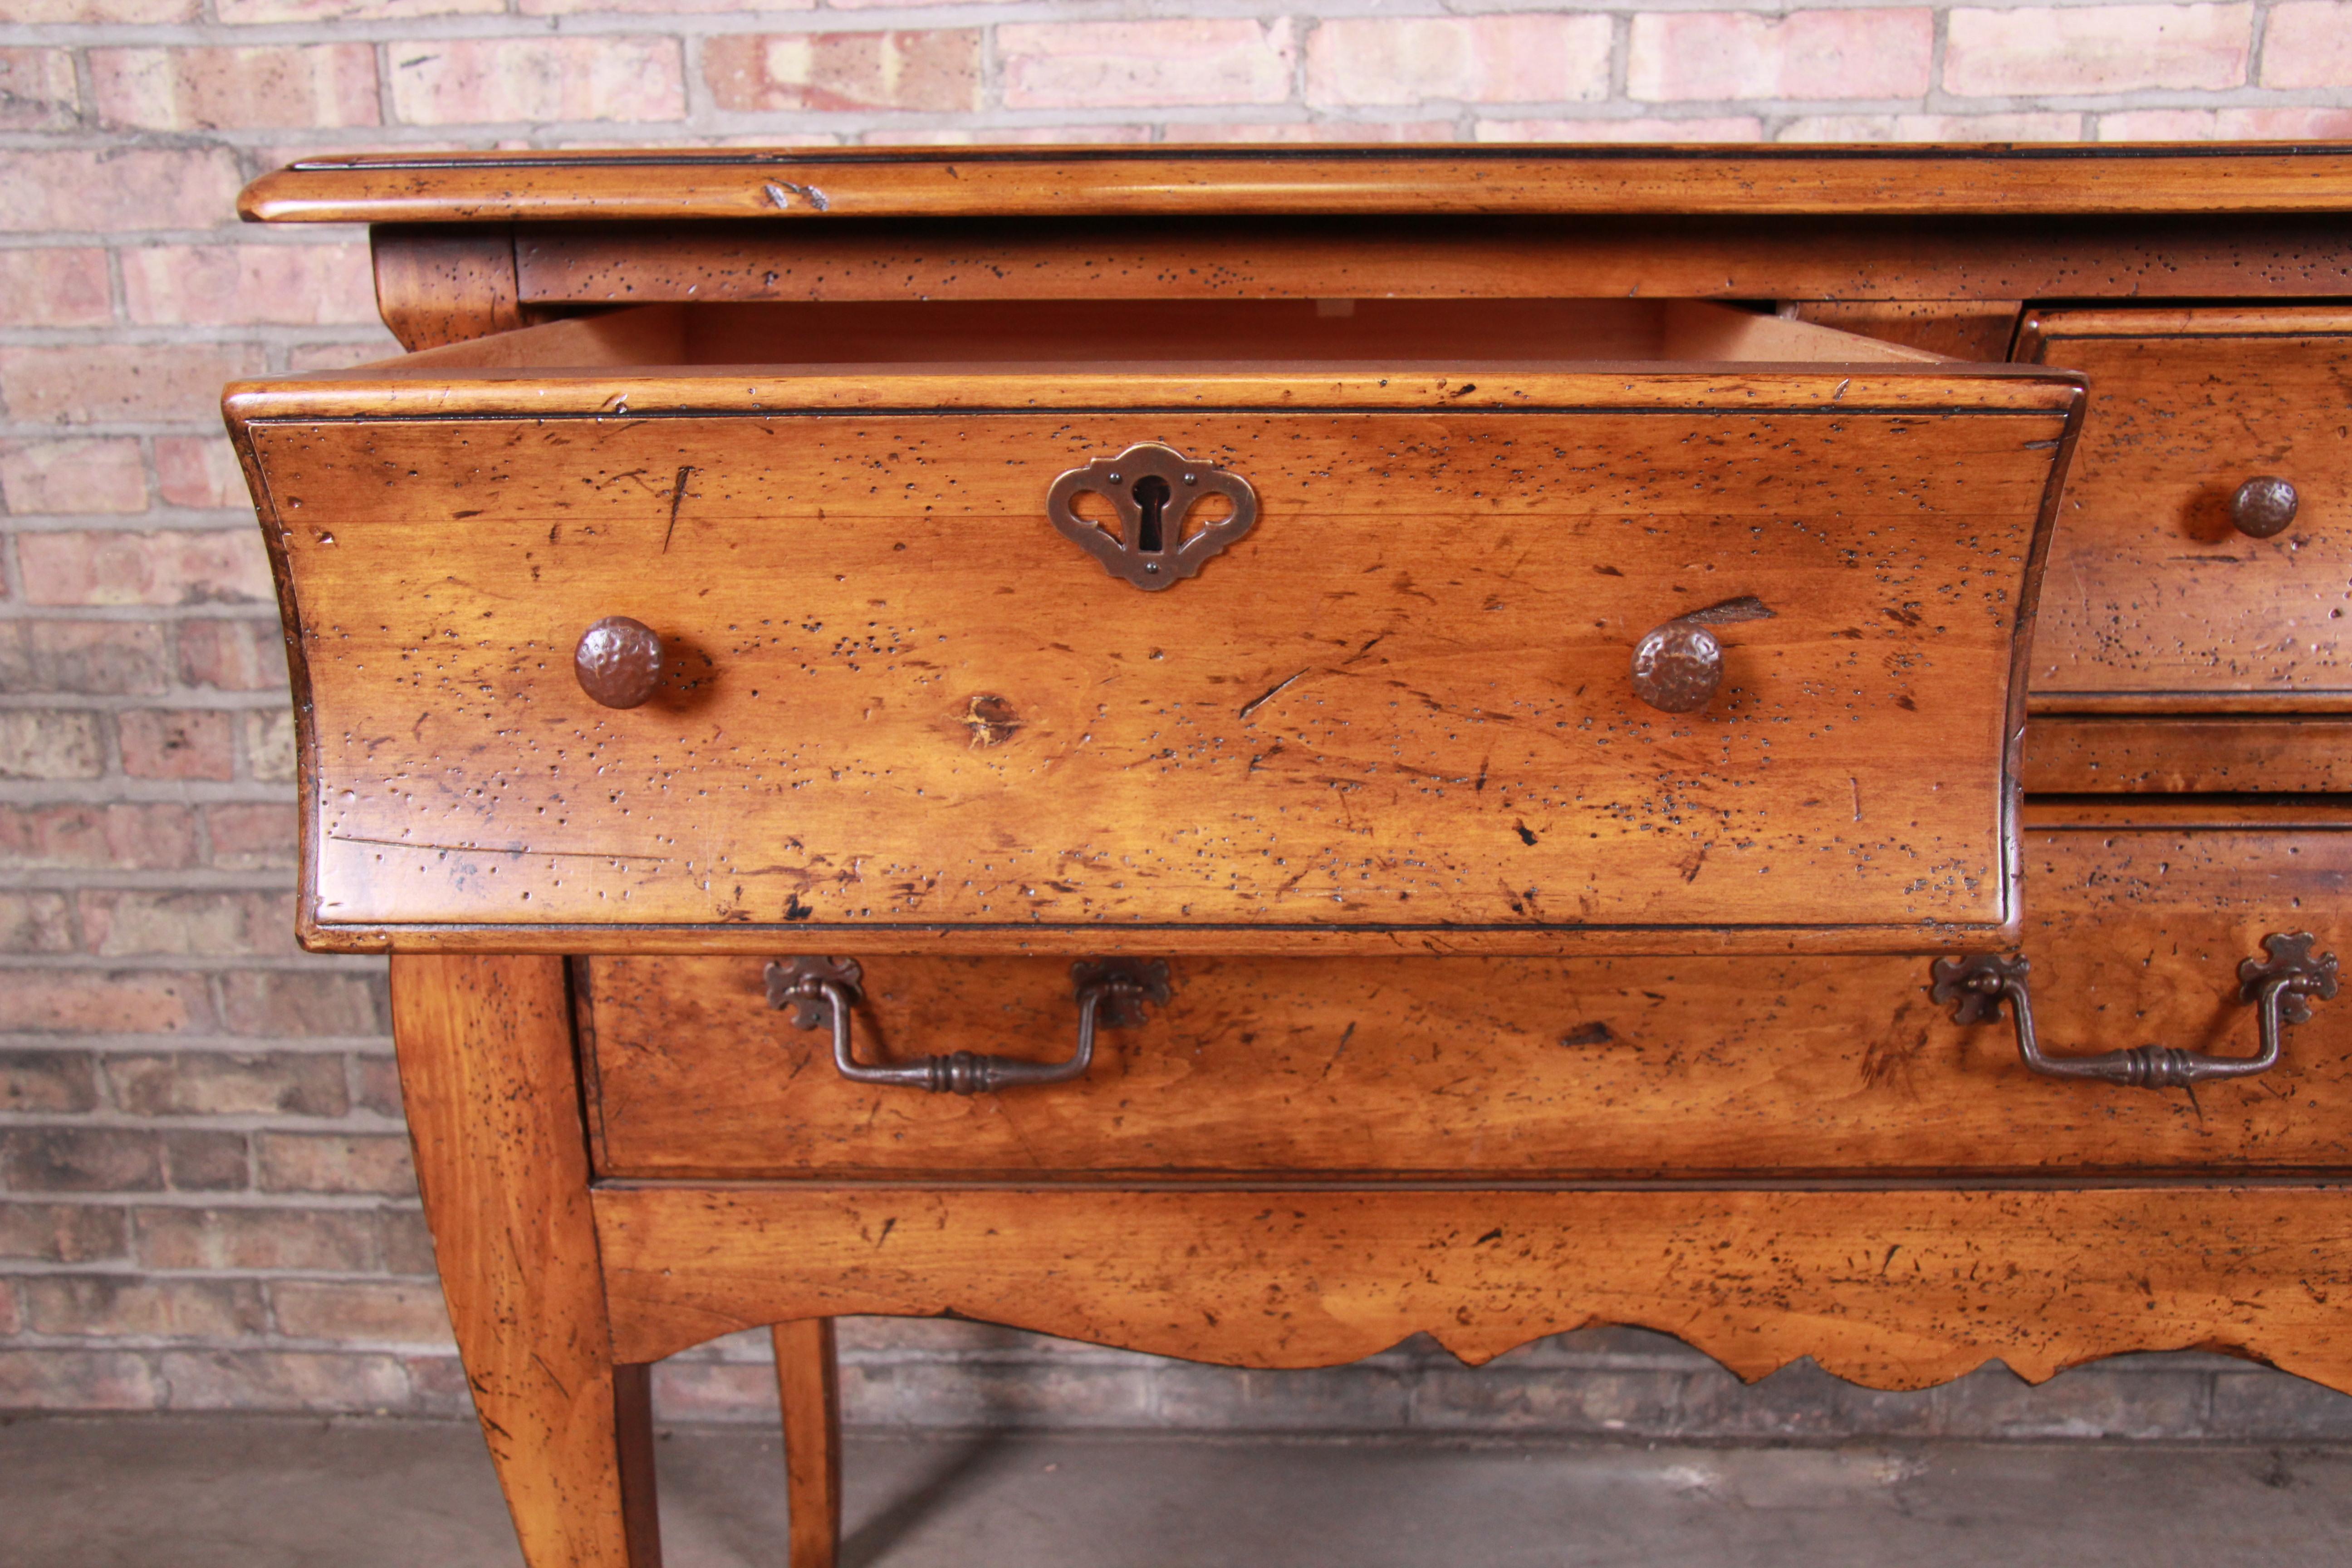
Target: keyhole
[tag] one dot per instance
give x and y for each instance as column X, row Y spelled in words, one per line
column 1152, row 493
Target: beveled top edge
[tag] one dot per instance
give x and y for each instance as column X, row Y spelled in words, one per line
column 1046, row 181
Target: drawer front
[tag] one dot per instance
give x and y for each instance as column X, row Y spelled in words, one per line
column 2157, row 597
column 1492, row 1069
column 898, row 702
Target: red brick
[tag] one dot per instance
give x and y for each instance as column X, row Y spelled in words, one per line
column 81, row 1160
column 325, row 1382
column 2308, row 43
column 2066, row 126
column 25, row 13
column 1466, row 59
column 342, row 355
column 254, row 12
column 184, row 744
column 114, row 1305
column 259, row 838
column 407, row 1242
column 2096, row 48
column 327, row 1240
column 1145, row 65
column 54, row 286
column 170, row 566
column 475, row 81
column 336, row 1163
column 113, row 659
column 205, row 1161
column 662, row 7
column 36, row 89
column 99, row 838
column 72, row 475
column 208, row 1083
column 1701, row 55
column 141, row 923
column 52, row 1082
column 270, row 746
column 234, row 285
column 62, row 1233
column 1718, row 128
column 233, row 656
column 437, row 1386
column 1027, row 135
column 322, row 85
column 119, row 188
column 93, row 382
column 917, row 70
column 2287, row 124
column 35, row 923
column 374, row 1312
column 199, row 472
column 379, row 1085
column 76, row 1380
column 304, row 1002
column 38, row 744
column 1315, row 130
column 89, row 1002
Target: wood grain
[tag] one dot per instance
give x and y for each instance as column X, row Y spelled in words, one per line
column 441, row 284
column 820, row 187
column 493, row 1106
column 1488, row 1070
column 1398, row 703
column 1900, row 261
column 808, row 1382
column 2070, row 753
column 1888, row 1289
column 2151, row 590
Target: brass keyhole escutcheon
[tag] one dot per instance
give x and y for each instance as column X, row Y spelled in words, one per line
column 1153, row 490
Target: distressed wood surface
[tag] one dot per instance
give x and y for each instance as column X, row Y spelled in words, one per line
column 493, row 1106
column 2151, row 590
column 1889, row 1288
column 901, row 699
column 823, row 187
column 1464, row 1068
column 808, row 1385
column 1907, row 262
column 442, row 285
column 2072, row 753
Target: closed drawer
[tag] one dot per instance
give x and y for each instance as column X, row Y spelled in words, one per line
column 2158, row 599
column 898, row 706
column 1498, row 1069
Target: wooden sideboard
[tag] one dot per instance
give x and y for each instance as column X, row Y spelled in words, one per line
column 1249, row 753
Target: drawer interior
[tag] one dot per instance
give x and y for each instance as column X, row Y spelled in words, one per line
column 1139, row 332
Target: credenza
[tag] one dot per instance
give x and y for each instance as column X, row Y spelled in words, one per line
column 1248, row 752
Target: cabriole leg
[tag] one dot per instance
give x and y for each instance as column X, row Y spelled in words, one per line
column 493, row 1100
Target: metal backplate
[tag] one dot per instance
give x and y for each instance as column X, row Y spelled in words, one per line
column 1131, row 981
column 786, row 987
column 1152, row 490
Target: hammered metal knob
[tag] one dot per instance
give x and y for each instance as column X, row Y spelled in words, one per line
column 1677, row 667
column 619, row 661
column 2263, row 506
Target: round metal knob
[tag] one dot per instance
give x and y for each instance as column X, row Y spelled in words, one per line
column 1677, row 667
column 619, row 661
column 2263, row 506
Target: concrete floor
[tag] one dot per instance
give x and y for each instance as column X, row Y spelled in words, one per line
column 277, row 1492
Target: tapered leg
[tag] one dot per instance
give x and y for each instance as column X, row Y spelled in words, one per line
column 493, row 1100
column 809, row 1382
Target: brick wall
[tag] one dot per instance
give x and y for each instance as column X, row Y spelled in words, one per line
column 204, row 1194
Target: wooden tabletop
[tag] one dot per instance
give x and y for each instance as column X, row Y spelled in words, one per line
column 1074, row 182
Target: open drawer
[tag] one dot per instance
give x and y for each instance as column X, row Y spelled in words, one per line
column 1505, row 626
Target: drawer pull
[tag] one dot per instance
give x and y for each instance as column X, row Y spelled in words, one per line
column 618, row 661
column 1110, row 994
column 1153, row 490
column 2263, row 506
column 1678, row 666
column 2278, row 986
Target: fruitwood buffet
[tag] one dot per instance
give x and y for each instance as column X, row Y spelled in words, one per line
column 1431, row 740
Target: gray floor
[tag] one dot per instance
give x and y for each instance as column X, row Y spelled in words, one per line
column 262, row 1492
